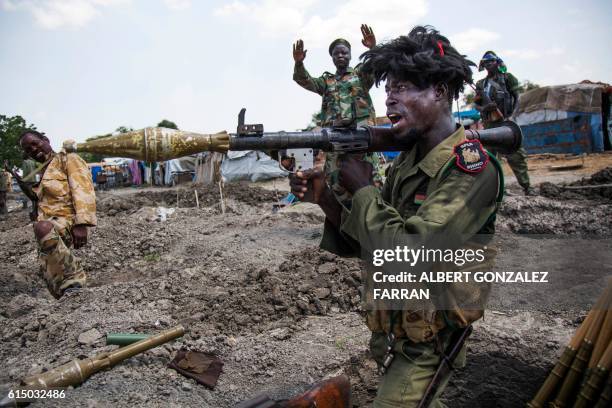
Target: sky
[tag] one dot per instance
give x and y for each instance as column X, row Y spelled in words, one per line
column 79, row 68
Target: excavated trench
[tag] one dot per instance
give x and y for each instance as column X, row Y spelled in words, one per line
column 252, row 286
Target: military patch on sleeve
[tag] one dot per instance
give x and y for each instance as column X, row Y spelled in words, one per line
column 470, row 156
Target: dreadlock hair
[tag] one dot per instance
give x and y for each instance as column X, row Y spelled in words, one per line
column 40, row 135
column 423, row 57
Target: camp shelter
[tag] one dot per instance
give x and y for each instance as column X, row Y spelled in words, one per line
column 572, row 118
column 250, row 165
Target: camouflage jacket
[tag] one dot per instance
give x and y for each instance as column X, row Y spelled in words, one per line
column 423, row 201
column 341, row 95
column 66, row 191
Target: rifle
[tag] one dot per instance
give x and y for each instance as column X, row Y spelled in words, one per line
column 26, row 189
column 446, row 365
column 332, row 393
column 495, row 115
column 77, row 371
column 160, row 144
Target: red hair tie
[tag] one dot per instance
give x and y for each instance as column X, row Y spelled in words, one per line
column 441, row 49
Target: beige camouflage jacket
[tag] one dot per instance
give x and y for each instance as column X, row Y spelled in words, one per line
column 66, row 191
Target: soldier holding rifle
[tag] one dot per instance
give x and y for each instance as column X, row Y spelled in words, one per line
column 496, row 99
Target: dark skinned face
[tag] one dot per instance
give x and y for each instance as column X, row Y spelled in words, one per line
column 341, row 56
column 490, row 66
column 411, row 110
column 36, row 147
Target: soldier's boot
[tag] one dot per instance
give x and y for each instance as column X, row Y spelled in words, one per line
column 58, row 266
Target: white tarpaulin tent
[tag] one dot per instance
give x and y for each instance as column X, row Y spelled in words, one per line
column 250, row 165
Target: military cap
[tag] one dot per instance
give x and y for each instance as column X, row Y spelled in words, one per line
column 338, row 41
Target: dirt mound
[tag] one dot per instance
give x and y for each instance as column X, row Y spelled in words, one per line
column 185, row 198
column 591, row 192
column 562, row 210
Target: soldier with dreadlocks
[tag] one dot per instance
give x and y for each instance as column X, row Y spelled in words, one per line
column 444, row 186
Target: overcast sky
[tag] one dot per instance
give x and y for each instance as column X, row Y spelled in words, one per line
column 78, row 68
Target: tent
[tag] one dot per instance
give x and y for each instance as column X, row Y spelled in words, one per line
column 572, row 118
column 250, row 165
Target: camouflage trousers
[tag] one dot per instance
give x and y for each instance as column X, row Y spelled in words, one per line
column 518, row 163
column 411, row 371
column 59, row 267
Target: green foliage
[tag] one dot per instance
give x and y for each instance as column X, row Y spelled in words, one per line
column 123, row 129
column 94, row 157
column 152, row 257
column 10, row 130
column 167, row 124
column 468, row 97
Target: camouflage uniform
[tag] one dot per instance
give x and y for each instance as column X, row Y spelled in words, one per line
column 420, row 200
column 499, row 89
column 346, row 99
column 65, row 198
column 4, row 179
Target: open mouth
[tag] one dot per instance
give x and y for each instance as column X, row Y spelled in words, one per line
column 394, row 118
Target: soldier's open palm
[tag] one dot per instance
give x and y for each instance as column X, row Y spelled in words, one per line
column 299, row 53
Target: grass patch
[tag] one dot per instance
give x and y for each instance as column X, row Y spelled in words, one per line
column 152, row 257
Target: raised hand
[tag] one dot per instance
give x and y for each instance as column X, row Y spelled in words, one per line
column 369, row 39
column 299, row 53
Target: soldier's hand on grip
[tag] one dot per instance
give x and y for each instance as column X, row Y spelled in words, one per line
column 299, row 53
column 355, row 174
column 309, row 185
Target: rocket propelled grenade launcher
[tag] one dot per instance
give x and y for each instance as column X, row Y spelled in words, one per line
column 159, row 144
column 77, row 371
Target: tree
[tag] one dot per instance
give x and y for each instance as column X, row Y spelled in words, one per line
column 96, row 157
column 123, row 129
column 167, row 124
column 11, row 129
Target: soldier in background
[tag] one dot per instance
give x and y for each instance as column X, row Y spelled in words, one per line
column 496, row 100
column 4, row 187
column 66, row 208
column 346, row 97
column 27, row 168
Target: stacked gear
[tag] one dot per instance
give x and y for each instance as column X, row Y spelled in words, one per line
column 581, row 378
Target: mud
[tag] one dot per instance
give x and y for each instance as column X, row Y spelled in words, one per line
column 602, row 178
column 252, row 286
